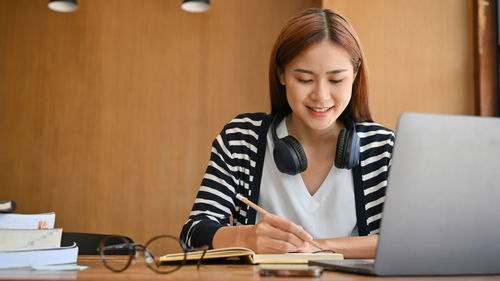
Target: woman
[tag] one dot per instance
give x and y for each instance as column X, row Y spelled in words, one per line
column 319, row 95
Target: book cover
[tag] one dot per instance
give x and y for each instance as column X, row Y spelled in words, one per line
column 27, row 221
column 7, row 206
column 23, row 239
column 46, row 256
column 251, row 256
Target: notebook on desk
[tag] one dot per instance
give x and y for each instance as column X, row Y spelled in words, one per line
column 442, row 207
column 250, row 256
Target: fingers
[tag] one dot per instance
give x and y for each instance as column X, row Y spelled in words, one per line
column 275, row 234
column 288, row 226
column 267, row 245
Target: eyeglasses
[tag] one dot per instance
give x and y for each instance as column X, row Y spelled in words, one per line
column 160, row 245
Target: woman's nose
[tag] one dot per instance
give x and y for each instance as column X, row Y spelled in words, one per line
column 321, row 91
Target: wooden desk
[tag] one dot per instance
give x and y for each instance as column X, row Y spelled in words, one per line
column 236, row 272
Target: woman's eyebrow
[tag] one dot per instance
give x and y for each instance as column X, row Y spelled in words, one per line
column 303, row 71
column 336, row 71
column 328, row 72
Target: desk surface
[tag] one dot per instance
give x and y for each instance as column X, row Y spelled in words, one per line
column 229, row 272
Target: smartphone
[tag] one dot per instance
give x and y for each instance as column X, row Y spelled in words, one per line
column 284, row 272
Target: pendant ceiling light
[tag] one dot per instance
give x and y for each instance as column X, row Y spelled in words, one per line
column 196, row 6
column 64, row 6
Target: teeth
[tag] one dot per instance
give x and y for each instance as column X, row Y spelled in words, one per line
column 319, row 110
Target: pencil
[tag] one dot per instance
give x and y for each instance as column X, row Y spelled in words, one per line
column 251, row 204
column 264, row 212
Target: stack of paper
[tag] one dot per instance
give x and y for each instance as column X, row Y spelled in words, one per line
column 32, row 240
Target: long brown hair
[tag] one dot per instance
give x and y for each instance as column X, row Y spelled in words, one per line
column 310, row 27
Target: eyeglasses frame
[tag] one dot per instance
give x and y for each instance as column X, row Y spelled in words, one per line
column 146, row 252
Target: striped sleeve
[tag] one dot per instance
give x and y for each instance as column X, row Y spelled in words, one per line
column 229, row 171
column 376, row 143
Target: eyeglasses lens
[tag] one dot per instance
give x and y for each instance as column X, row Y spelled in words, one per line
column 116, row 252
column 164, row 245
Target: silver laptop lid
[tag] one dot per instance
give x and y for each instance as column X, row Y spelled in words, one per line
column 442, row 207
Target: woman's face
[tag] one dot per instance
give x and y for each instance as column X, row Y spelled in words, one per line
column 318, row 85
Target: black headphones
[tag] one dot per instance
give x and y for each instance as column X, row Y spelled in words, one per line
column 291, row 159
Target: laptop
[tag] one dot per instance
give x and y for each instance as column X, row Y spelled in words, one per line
column 442, row 207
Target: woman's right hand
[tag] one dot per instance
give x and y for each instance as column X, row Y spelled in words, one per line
column 276, row 235
column 271, row 235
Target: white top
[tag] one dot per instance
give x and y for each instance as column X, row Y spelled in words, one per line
column 329, row 213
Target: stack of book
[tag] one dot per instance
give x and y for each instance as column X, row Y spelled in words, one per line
column 31, row 240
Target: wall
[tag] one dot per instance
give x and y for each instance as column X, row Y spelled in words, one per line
column 107, row 115
column 420, row 54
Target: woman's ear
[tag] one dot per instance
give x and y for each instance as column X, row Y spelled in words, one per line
column 281, row 76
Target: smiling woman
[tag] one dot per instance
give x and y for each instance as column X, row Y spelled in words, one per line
column 318, row 86
column 293, row 41
column 285, row 161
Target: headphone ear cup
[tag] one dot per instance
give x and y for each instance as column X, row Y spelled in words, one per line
column 353, row 151
column 341, row 149
column 347, row 153
column 289, row 156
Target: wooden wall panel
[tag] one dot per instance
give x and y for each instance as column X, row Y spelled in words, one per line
column 420, row 54
column 107, row 115
column 487, row 103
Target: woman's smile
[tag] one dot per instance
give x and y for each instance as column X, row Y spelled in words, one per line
column 319, row 111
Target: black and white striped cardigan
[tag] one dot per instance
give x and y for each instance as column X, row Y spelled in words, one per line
column 236, row 165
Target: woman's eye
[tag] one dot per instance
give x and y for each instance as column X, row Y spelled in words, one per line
column 336, row 81
column 304, row 80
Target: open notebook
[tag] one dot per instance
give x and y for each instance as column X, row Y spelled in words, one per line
column 251, row 257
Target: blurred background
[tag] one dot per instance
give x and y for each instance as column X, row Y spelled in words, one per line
column 107, row 113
